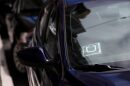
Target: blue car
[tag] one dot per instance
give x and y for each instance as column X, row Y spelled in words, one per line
column 80, row 43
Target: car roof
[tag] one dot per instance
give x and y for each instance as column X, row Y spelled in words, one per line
column 73, row 2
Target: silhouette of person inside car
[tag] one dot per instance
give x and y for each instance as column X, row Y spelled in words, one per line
column 74, row 27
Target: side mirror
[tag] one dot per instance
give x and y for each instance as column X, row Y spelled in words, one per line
column 33, row 56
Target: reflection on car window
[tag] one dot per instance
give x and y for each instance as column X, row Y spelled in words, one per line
column 50, row 35
column 76, row 58
column 104, row 38
column 51, row 42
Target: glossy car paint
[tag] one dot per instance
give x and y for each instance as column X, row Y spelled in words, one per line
column 73, row 2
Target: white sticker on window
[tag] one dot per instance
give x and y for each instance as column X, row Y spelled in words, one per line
column 91, row 49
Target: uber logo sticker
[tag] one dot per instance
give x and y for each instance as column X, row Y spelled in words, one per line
column 91, row 49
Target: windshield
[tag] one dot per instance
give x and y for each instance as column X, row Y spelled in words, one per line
column 102, row 36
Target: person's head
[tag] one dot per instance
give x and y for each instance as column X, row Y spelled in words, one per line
column 23, row 30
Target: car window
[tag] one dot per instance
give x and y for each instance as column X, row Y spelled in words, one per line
column 105, row 38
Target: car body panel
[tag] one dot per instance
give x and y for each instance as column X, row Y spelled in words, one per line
column 73, row 2
column 109, row 78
